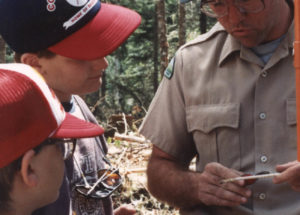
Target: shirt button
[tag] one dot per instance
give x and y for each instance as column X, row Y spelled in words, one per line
column 263, row 159
column 262, row 116
column 264, row 74
column 262, row 196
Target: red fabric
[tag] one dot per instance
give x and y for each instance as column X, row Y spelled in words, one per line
column 75, row 128
column 102, row 35
column 26, row 117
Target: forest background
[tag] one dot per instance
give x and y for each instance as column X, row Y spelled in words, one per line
column 136, row 68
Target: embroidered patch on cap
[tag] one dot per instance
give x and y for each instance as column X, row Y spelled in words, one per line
column 80, row 14
column 170, row 69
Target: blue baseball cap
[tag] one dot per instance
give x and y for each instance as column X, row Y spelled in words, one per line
column 78, row 29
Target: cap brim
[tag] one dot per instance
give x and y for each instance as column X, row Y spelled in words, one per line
column 101, row 36
column 73, row 127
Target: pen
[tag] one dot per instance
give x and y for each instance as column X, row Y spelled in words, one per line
column 249, row 177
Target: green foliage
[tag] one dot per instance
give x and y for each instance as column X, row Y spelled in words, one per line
column 129, row 77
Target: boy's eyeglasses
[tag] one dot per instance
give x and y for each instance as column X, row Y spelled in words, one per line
column 108, row 181
column 219, row 8
column 67, row 146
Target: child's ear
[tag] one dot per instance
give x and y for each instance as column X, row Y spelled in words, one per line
column 31, row 59
column 28, row 174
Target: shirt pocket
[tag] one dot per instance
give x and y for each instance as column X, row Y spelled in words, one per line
column 215, row 130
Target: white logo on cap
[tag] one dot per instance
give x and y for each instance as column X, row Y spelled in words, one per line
column 80, row 14
column 77, row 3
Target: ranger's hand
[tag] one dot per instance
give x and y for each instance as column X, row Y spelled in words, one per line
column 212, row 192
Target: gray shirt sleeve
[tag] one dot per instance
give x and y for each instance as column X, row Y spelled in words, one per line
column 165, row 124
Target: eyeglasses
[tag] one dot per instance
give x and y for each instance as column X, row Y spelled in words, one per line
column 219, row 8
column 108, row 181
column 67, row 146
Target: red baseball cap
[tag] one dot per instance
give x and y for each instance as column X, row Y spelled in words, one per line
column 30, row 113
column 78, row 29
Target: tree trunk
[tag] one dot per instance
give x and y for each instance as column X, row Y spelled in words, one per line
column 164, row 46
column 2, row 50
column 103, row 85
column 181, row 24
column 202, row 19
column 203, row 23
column 155, row 52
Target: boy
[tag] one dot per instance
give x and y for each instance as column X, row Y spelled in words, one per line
column 34, row 129
column 66, row 41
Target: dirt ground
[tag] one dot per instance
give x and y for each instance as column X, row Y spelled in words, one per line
column 131, row 158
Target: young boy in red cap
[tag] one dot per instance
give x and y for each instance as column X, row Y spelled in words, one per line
column 34, row 130
column 66, row 41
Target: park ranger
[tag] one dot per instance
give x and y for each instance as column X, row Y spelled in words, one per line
column 228, row 99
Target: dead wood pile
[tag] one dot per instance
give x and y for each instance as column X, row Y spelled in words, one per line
column 130, row 153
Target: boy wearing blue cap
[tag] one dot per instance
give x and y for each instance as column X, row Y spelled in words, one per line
column 66, row 41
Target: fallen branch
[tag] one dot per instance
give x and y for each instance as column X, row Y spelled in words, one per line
column 136, row 170
column 124, row 137
column 125, row 123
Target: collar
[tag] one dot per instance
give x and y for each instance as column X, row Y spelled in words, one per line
column 231, row 45
column 68, row 106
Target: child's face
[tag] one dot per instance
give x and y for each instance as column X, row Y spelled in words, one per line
column 50, row 167
column 67, row 76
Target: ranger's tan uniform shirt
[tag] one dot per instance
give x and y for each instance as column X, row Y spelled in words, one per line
column 224, row 105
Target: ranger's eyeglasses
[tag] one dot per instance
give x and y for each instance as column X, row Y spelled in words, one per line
column 219, row 8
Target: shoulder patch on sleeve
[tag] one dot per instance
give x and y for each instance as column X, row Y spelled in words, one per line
column 170, row 69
